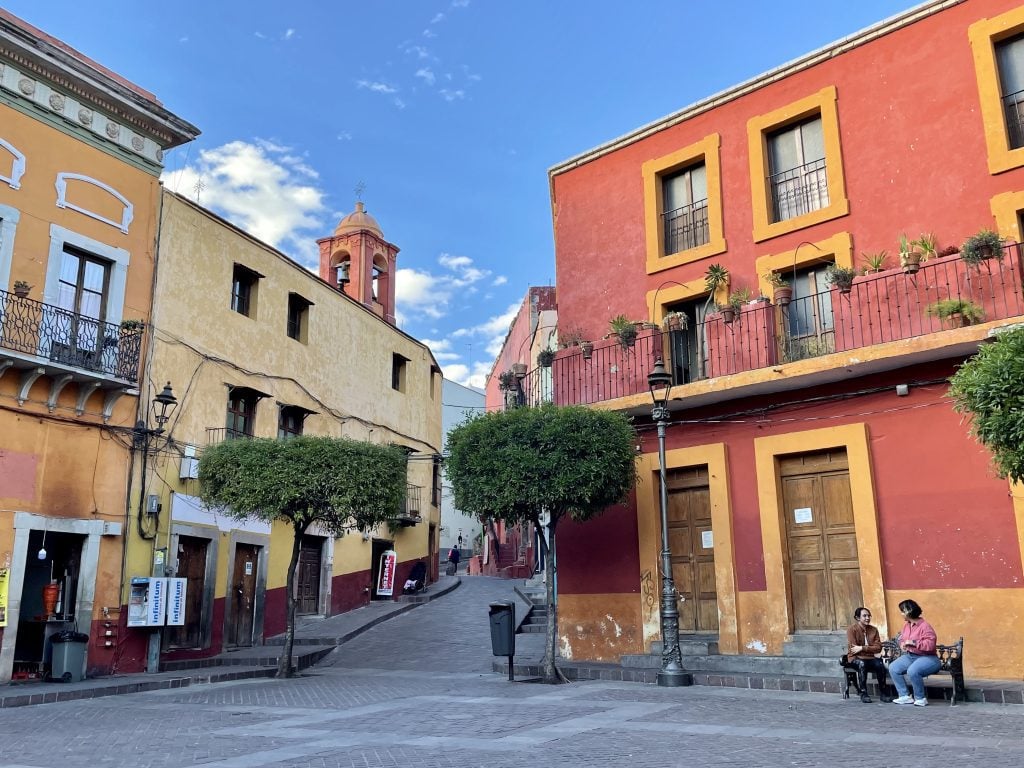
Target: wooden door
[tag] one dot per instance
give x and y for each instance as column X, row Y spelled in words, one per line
column 242, row 595
column 192, row 567
column 692, row 546
column 308, row 576
column 823, row 566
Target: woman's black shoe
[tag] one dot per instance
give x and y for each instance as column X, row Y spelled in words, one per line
column 865, row 698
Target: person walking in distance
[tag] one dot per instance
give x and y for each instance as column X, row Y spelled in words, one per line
column 863, row 644
column 453, row 560
column 918, row 660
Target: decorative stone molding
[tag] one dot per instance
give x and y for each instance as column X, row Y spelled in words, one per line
column 17, row 170
column 128, row 211
column 24, row 84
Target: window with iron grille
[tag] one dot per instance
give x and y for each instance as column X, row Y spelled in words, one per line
column 1010, row 61
column 798, row 180
column 685, row 209
column 810, row 324
column 435, row 484
column 241, row 412
column 290, row 419
column 243, row 290
column 298, row 317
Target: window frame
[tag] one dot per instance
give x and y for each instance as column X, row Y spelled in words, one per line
column 301, row 305
column 824, row 103
column 399, row 372
column 244, row 277
column 9, row 218
column 117, row 277
column 250, row 397
column 654, row 172
column 984, row 35
column 285, row 431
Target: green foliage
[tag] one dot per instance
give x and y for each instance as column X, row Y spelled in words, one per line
column 874, row 262
column 716, row 277
column 968, row 310
column 546, row 357
column 927, row 245
column 336, row 482
column 625, row 328
column 568, row 460
column 990, row 387
column 739, row 297
column 840, row 277
column 507, row 380
column 775, row 280
column 986, row 244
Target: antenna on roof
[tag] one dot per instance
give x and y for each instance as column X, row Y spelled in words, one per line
column 198, row 187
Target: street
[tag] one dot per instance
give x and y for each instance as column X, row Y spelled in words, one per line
column 418, row 690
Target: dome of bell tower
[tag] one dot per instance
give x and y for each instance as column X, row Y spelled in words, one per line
column 357, row 220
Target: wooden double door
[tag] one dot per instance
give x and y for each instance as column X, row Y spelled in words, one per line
column 691, row 541
column 822, row 560
column 242, row 595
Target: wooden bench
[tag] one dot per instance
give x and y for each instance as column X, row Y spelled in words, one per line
column 951, row 659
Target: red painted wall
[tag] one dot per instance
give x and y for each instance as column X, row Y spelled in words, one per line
column 516, row 348
column 600, row 555
column 913, row 153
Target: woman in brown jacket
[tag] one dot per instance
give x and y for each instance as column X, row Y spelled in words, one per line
column 863, row 644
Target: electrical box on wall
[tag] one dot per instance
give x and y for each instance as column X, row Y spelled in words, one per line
column 189, row 469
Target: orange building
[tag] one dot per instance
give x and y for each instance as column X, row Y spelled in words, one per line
column 815, row 463
column 80, row 160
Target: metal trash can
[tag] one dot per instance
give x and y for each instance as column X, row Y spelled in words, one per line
column 503, row 628
column 68, row 660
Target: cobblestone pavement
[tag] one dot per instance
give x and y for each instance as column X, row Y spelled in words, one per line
column 417, row 691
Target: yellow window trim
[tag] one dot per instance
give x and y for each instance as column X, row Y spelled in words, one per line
column 671, row 292
column 838, row 249
column 854, row 438
column 984, row 35
column 707, row 149
column 823, row 103
column 649, row 533
column 1005, row 207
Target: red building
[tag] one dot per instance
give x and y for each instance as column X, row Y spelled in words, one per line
column 815, row 463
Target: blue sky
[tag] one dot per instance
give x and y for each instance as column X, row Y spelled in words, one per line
column 449, row 112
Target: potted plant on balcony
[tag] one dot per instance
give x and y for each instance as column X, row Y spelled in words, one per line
column 625, row 329
column 715, row 278
column 927, row 245
column 874, row 262
column 546, row 357
column 782, row 292
column 731, row 310
column 984, row 245
column 21, row 288
column 957, row 312
column 132, row 325
column 910, row 255
column 507, row 381
column 570, row 337
column 519, row 370
column 587, row 348
column 841, row 277
column 676, row 321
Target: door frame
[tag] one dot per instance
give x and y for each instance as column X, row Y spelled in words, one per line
column 212, row 537
column 855, row 440
column 255, row 540
column 648, row 500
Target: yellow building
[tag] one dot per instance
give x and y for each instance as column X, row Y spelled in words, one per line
column 80, row 159
column 256, row 345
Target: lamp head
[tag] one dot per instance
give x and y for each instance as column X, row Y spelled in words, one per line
column 164, row 404
column 657, row 379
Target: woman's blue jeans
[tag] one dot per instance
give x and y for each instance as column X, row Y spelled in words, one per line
column 917, row 668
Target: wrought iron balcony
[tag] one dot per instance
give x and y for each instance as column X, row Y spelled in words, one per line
column 686, row 227
column 1013, row 108
column 799, row 190
column 880, row 308
column 216, row 435
column 409, row 511
column 43, row 334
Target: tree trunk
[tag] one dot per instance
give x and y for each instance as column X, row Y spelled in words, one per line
column 551, row 674
column 284, row 662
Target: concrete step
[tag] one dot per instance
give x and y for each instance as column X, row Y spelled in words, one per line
column 741, row 665
column 828, row 645
column 532, row 629
column 691, row 645
column 258, row 656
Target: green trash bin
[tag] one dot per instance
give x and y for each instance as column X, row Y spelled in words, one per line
column 68, row 658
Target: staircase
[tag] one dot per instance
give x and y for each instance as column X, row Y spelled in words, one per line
column 536, row 619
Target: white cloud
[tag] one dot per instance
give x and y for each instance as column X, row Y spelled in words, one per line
column 376, row 86
column 260, row 35
column 460, row 3
column 428, row 33
column 261, row 187
column 418, row 50
column 183, row 39
column 427, row 76
column 289, row 34
column 452, row 95
column 499, row 280
column 399, row 103
column 439, row 17
column 344, row 136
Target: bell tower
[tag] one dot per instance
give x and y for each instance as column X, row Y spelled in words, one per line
column 358, row 261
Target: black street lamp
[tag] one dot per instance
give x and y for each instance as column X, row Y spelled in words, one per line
column 672, row 672
column 160, row 409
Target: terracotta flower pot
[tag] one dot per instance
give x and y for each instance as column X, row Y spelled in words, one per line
column 783, row 295
column 728, row 314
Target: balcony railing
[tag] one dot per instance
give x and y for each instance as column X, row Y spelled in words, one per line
column 216, row 435
column 1013, row 108
column 880, row 308
column 68, row 338
column 799, row 190
column 409, row 510
column 686, row 227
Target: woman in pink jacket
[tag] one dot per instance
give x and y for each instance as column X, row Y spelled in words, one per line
column 918, row 660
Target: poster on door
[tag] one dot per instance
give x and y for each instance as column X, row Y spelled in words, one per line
column 3, row 596
column 386, row 575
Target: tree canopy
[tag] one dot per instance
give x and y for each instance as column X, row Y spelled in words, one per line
column 337, row 483
column 990, row 387
column 570, row 460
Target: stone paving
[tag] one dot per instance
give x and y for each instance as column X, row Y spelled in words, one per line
column 418, row 691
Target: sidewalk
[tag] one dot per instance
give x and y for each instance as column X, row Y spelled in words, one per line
column 314, row 638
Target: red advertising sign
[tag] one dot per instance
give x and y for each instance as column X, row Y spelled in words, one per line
column 386, row 575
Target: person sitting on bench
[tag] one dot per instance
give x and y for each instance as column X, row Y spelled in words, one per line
column 414, row 583
column 918, row 660
column 863, row 645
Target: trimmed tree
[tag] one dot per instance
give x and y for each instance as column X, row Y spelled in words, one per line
column 340, row 484
column 552, row 461
column 990, row 388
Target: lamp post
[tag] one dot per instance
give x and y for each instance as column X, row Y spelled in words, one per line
column 161, row 407
column 672, row 673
